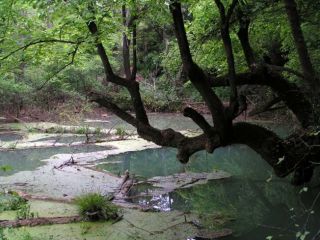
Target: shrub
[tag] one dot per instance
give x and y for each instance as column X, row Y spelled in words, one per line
column 94, row 207
column 11, row 201
column 24, row 212
column 121, row 133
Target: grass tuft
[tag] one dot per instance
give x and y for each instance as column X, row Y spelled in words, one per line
column 95, row 207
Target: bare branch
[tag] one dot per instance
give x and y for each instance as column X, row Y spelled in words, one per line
column 73, row 55
column 285, row 69
column 35, row 42
column 289, row 92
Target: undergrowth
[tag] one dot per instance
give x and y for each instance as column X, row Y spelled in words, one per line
column 95, row 207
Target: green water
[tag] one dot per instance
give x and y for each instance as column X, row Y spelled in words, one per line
column 256, row 202
column 8, row 136
column 260, row 203
column 65, row 139
column 238, row 160
column 30, row 159
column 177, row 122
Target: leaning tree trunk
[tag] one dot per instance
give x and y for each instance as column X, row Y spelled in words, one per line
column 298, row 153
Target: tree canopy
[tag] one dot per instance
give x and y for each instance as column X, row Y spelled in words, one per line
column 207, row 50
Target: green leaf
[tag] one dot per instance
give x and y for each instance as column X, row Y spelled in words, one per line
column 6, row 168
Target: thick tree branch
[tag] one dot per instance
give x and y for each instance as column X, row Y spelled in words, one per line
column 181, row 35
column 284, row 69
column 243, row 35
column 293, row 154
column 225, row 34
column 134, row 52
column 198, row 119
column 102, row 53
column 277, row 152
column 132, row 86
column 290, row 93
column 186, row 146
column 197, row 76
column 108, row 104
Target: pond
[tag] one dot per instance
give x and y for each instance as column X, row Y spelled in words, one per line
column 30, row 159
column 259, row 203
column 9, row 136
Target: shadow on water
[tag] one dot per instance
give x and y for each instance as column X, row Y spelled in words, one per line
column 8, row 136
column 30, row 159
column 63, row 139
column 261, row 204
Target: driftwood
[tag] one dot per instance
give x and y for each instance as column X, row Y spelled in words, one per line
column 39, row 221
column 166, row 184
column 127, row 183
column 208, row 235
column 70, row 162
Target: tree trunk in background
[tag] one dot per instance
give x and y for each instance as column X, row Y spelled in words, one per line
column 125, row 45
column 306, row 65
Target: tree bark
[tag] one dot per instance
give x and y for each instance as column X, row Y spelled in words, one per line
column 197, row 76
column 224, row 29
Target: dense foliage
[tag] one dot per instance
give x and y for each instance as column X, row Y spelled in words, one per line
column 47, row 57
column 160, row 54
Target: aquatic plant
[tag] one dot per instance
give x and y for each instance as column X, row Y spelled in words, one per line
column 16, row 234
column 6, row 168
column 83, row 130
column 121, row 132
column 24, row 212
column 11, row 201
column 2, row 234
column 94, row 207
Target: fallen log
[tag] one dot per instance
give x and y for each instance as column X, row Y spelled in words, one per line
column 39, row 221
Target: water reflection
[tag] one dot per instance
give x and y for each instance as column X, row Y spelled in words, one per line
column 259, row 203
column 8, row 136
column 239, row 160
